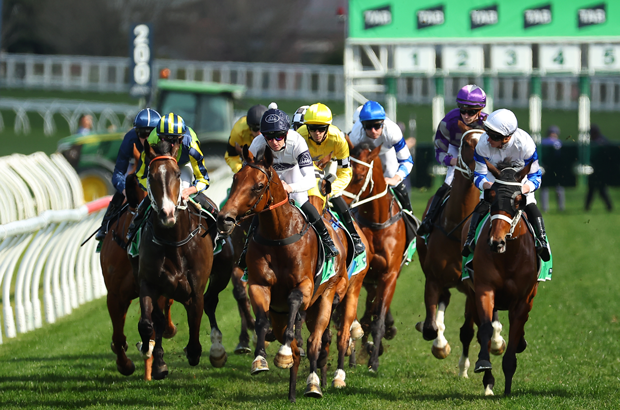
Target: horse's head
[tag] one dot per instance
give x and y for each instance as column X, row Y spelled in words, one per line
column 364, row 158
column 507, row 201
column 251, row 191
column 164, row 180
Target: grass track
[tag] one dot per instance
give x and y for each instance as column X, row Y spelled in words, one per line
column 571, row 360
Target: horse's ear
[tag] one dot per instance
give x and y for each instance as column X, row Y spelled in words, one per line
column 374, row 153
column 267, row 157
column 175, row 149
column 521, row 174
column 149, row 152
column 351, row 146
column 246, row 154
column 493, row 170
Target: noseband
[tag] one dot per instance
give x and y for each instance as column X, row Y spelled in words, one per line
column 150, row 193
column 517, row 216
column 356, row 202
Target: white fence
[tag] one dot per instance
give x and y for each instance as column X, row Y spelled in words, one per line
column 284, row 81
column 43, row 224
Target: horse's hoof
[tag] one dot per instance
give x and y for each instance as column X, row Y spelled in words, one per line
column 242, row 349
column 259, row 365
column 313, row 387
column 441, row 353
column 160, row 373
column 482, row 366
column 126, row 370
column 498, row 351
column 149, row 351
column 419, row 326
column 522, row 345
column 369, row 347
column 390, row 332
column 488, row 391
column 284, row 358
column 193, row 360
column 170, row 332
column 338, row 381
column 356, row 330
column 302, row 352
column 218, row 362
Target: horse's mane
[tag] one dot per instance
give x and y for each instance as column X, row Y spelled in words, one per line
column 509, row 163
column 163, row 147
column 357, row 150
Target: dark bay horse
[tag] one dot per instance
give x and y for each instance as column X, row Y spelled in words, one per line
column 379, row 215
column 345, row 317
column 282, row 261
column 505, row 271
column 175, row 261
column 441, row 260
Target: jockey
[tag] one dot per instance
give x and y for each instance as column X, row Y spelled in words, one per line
column 143, row 124
column 376, row 129
column 172, row 129
column 293, row 164
column 503, row 139
column 243, row 132
column 324, row 138
column 470, row 100
column 298, row 118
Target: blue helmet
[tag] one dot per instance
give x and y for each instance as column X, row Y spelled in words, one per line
column 372, row 110
column 274, row 120
column 146, row 118
column 171, row 124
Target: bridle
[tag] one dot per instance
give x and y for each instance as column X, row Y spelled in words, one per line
column 268, row 207
column 461, row 165
column 515, row 219
column 150, row 192
column 356, row 198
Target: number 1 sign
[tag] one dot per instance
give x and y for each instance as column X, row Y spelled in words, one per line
column 419, row 60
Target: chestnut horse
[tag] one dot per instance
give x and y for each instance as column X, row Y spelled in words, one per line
column 345, row 317
column 505, row 272
column 282, row 262
column 377, row 212
column 441, row 260
column 175, row 259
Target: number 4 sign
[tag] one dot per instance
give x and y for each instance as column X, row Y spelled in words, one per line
column 563, row 58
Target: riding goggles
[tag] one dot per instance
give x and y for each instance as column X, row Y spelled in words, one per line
column 278, row 135
column 374, row 125
column 317, row 127
column 494, row 135
column 143, row 132
column 470, row 112
column 170, row 138
column 254, row 127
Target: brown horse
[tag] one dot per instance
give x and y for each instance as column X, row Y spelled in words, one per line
column 379, row 215
column 282, row 262
column 441, row 260
column 345, row 317
column 175, row 259
column 505, row 272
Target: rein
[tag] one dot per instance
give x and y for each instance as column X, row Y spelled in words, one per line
column 356, row 202
column 150, row 193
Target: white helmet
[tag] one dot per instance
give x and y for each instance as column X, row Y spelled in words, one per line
column 502, row 121
column 298, row 118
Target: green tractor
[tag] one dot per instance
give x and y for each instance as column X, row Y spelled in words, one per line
column 206, row 107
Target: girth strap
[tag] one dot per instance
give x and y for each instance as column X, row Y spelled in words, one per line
column 281, row 242
column 375, row 225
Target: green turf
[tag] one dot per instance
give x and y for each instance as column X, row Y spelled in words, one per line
column 571, row 361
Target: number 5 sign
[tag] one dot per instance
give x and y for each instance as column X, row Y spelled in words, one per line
column 140, row 67
column 604, row 57
column 565, row 58
column 463, row 59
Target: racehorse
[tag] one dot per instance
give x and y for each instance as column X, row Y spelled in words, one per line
column 505, row 272
column 282, row 262
column 175, row 259
column 345, row 317
column 441, row 260
column 377, row 212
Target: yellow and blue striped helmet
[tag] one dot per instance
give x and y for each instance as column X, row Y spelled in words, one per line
column 171, row 124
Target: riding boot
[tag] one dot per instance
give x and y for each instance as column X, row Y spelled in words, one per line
column 427, row 223
column 113, row 207
column 315, row 219
column 253, row 225
column 402, row 195
column 535, row 217
column 138, row 218
column 345, row 215
column 480, row 211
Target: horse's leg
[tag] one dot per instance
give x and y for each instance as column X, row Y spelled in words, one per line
column 117, row 308
column 518, row 316
column 347, row 311
column 431, row 300
column 170, row 330
column 326, row 341
column 498, row 344
column 194, row 308
column 385, row 292
column 467, row 334
column 146, row 327
column 218, row 281
column 260, row 296
column 390, row 329
column 284, row 357
column 441, row 347
column 301, row 318
column 317, row 320
column 485, row 305
column 247, row 321
column 159, row 370
column 366, row 320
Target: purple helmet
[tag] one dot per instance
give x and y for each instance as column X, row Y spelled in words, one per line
column 471, row 95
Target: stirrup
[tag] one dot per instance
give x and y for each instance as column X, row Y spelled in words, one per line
column 468, row 248
column 426, row 226
column 358, row 245
column 330, row 249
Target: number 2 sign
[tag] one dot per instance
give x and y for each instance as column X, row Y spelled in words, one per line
column 463, row 59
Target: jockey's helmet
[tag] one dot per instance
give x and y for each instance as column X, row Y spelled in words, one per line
column 255, row 113
column 274, row 120
column 146, row 118
column 372, row 111
column 471, row 96
column 318, row 114
column 299, row 117
column 171, row 125
column 501, row 123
